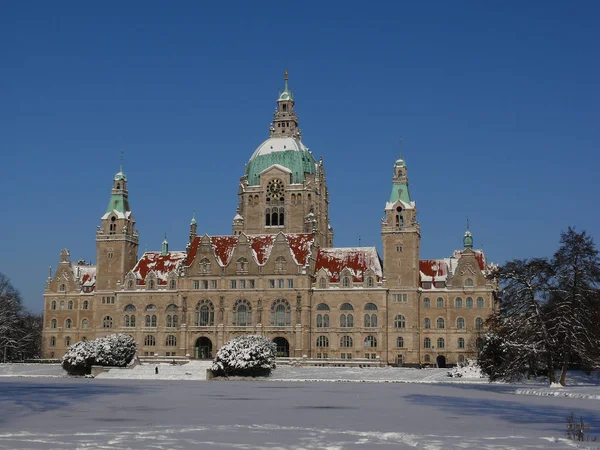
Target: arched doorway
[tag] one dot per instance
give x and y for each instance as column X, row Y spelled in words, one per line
column 399, row 360
column 283, row 347
column 203, row 348
column 441, row 361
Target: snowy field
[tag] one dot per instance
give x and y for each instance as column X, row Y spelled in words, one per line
column 68, row 413
column 395, row 408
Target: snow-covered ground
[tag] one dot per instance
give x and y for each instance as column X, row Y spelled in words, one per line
column 31, row 370
column 194, row 370
column 68, row 413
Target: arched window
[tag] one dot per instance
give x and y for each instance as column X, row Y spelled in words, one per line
column 205, row 314
column 149, row 341
column 171, row 340
column 458, row 302
column 86, row 304
column 62, row 288
column 147, row 321
column 480, row 302
column 172, row 284
column 440, row 343
column 367, row 321
column 469, row 282
column 268, row 217
column 130, row 285
column 400, row 321
column 322, row 283
column 461, row 343
column 440, row 302
column 281, row 217
column 427, row 358
column 70, row 304
column 427, row 323
column 479, row 323
column 323, row 307
column 153, row 320
column 107, row 322
column 440, row 322
column 322, row 341
column 426, row 303
column 346, row 321
column 129, row 307
column 370, row 307
column 275, row 217
column 126, row 321
column 62, row 304
column 281, row 313
column 370, row 342
column 346, row 341
column 54, row 323
column 426, row 343
column 479, row 343
column 67, row 341
column 469, row 302
column 460, row 323
column 461, row 359
column 169, row 321
column 346, row 307
column 346, row 282
column 151, row 308
column 53, row 304
column 52, row 341
column 370, row 282
column 399, row 342
column 84, row 323
column 242, row 313
column 293, row 199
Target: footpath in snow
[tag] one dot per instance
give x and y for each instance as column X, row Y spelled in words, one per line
column 193, row 370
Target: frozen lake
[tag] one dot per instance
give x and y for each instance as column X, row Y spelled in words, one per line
column 65, row 413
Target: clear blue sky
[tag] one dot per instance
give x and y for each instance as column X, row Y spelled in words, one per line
column 497, row 104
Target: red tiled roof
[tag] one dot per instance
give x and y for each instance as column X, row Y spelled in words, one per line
column 222, row 247
column 161, row 264
column 357, row 260
column 261, row 245
column 433, row 267
column 300, row 246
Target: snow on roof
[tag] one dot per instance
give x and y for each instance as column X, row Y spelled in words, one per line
column 277, row 166
column 119, row 214
column 390, row 205
column 86, row 274
column 358, row 260
column 433, row 270
column 161, row 265
column 260, row 244
column 279, row 144
column 479, row 256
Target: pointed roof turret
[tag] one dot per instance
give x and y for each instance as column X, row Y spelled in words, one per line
column 119, row 201
column 165, row 246
column 400, row 181
column 468, row 238
column 193, row 222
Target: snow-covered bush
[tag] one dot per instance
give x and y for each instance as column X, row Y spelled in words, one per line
column 114, row 350
column 249, row 355
column 470, row 369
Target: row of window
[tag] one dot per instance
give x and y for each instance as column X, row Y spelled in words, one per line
column 347, row 342
column 244, row 284
column 346, row 282
column 460, row 323
column 458, row 302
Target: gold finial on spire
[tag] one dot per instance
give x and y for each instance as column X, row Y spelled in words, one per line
column 285, row 75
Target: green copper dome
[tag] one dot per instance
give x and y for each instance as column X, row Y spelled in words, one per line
column 288, row 152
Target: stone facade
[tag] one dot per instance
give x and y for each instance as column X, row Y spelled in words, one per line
column 278, row 274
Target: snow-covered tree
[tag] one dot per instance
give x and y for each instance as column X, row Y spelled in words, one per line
column 250, row 355
column 20, row 331
column 574, row 299
column 114, row 350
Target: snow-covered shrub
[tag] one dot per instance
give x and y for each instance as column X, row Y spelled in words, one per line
column 470, row 369
column 249, row 355
column 114, row 350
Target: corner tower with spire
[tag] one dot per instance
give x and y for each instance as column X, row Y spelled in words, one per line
column 284, row 187
column 116, row 239
column 400, row 232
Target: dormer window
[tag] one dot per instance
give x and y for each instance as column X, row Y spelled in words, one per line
column 469, row 282
column 346, row 282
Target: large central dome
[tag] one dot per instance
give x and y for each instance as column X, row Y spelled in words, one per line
column 285, row 146
column 288, row 152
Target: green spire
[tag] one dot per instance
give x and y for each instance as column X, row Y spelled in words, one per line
column 286, row 94
column 193, row 222
column 468, row 238
column 165, row 246
column 120, row 175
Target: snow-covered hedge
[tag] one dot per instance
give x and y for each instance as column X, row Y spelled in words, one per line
column 114, row 350
column 470, row 369
column 249, row 355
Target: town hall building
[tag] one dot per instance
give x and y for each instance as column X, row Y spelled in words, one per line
column 277, row 274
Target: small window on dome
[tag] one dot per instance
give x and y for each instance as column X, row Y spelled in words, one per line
column 284, row 107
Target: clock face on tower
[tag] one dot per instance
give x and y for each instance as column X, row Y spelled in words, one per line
column 275, row 187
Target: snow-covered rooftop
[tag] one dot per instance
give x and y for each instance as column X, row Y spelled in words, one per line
column 356, row 259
